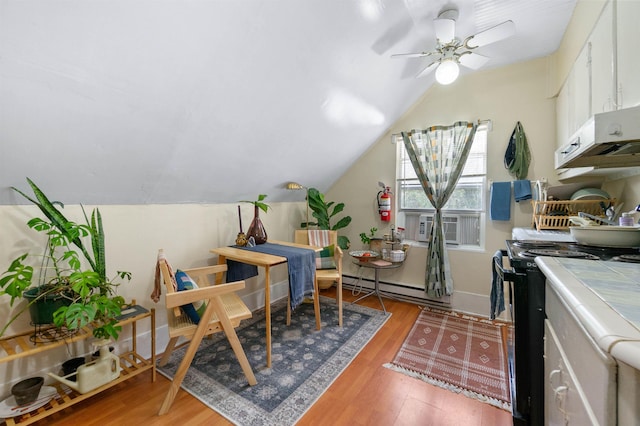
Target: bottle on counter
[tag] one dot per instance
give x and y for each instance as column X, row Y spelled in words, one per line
column 626, row 219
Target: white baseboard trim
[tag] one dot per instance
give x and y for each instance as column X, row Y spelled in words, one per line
column 465, row 302
column 399, row 291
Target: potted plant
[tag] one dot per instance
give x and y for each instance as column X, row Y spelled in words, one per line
column 85, row 295
column 256, row 228
column 323, row 212
column 366, row 238
column 371, row 240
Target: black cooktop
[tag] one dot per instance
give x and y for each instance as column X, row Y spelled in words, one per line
column 523, row 252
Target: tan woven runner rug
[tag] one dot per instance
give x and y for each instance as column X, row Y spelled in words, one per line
column 460, row 353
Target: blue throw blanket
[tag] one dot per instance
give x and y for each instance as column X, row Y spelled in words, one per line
column 238, row 271
column 301, row 264
column 497, row 287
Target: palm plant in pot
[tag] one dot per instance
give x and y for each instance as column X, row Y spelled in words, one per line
column 82, row 295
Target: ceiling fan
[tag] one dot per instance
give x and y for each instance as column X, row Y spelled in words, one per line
column 450, row 51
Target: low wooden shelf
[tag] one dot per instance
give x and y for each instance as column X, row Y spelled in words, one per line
column 132, row 363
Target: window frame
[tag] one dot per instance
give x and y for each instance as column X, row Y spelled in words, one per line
column 412, row 214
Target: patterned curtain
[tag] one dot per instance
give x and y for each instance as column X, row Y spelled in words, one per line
column 438, row 155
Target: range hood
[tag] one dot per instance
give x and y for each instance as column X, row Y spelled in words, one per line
column 606, row 140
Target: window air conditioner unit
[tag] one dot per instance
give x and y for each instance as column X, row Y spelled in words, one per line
column 450, row 228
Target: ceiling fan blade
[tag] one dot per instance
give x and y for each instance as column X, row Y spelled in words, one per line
column 473, row 60
column 412, row 55
column 397, row 32
column 445, row 30
column 428, row 69
column 493, row 34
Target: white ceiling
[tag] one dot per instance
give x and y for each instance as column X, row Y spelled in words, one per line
column 214, row 101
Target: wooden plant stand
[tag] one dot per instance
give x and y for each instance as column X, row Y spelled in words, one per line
column 21, row 346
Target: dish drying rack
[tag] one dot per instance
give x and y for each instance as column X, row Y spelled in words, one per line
column 555, row 214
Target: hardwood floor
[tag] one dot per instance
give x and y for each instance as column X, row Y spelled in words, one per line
column 366, row 393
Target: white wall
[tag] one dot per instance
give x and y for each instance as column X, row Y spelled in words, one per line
column 626, row 191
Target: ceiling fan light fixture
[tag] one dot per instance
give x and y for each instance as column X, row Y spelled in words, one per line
column 449, row 52
column 447, row 72
column 445, row 30
column 445, row 25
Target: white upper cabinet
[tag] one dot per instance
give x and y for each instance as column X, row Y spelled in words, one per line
column 605, row 76
column 602, row 64
column 591, row 86
column 628, row 35
column 562, row 114
column 580, row 90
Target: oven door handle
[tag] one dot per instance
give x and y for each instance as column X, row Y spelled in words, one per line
column 509, row 275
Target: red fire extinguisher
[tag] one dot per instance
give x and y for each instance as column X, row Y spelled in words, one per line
column 384, row 204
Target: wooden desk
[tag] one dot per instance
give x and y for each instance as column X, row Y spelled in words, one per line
column 265, row 261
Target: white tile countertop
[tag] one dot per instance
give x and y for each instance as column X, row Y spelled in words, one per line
column 605, row 297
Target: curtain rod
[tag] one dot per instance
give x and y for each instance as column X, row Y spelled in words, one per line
column 395, row 137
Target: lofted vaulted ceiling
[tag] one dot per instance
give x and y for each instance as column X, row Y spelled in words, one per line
column 213, row 101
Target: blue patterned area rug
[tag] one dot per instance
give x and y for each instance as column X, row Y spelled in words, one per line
column 305, row 362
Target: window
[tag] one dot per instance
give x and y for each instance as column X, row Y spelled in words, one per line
column 463, row 215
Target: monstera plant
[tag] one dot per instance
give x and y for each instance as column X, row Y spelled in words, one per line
column 80, row 295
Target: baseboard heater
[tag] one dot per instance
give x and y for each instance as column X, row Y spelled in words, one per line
column 401, row 292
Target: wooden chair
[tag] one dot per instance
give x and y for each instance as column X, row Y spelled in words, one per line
column 224, row 312
column 326, row 277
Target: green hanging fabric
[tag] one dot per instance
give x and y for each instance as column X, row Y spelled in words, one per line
column 517, row 157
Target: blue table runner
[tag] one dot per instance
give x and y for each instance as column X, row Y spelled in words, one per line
column 301, row 265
